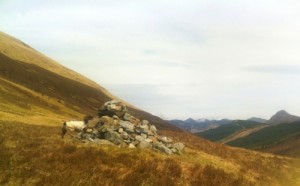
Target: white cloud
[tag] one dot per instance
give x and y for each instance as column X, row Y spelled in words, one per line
column 178, row 58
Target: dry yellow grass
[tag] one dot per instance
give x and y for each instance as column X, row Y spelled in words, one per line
column 17, row 50
column 36, row 155
column 20, row 107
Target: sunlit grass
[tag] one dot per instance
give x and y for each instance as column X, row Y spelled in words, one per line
column 36, row 155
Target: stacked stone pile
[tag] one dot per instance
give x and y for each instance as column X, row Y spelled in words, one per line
column 115, row 126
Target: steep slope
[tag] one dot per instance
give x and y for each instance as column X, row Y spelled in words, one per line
column 19, row 51
column 282, row 117
column 36, row 90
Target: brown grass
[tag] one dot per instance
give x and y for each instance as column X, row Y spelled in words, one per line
column 35, row 155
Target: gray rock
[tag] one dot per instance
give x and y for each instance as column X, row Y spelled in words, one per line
column 179, row 146
column 135, row 142
column 149, row 140
column 127, row 117
column 165, row 139
column 150, row 133
column 139, row 130
column 124, row 135
column 113, row 137
column 142, row 130
column 144, row 144
column 86, row 135
column 145, row 129
column 144, row 136
column 131, row 146
column 145, row 122
column 120, row 130
column 129, row 127
column 94, row 123
column 140, row 138
column 160, row 146
column 153, row 129
column 174, row 150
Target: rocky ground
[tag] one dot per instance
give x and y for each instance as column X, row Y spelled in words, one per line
column 115, row 126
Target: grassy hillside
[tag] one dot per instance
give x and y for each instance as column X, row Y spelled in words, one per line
column 268, row 136
column 35, row 155
column 19, row 51
column 224, row 131
column 36, row 90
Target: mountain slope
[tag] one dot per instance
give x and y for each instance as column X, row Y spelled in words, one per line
column 43, row 86
column 224, row 131
column 269, row 137
column 282, row 117
column 288, row 146
column 36, row 90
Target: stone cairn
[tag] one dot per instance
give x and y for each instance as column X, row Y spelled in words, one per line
column 115, row 126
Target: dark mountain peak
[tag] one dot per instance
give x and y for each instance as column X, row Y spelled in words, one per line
column 282, row 117
column 190, row 120
column 282, row 112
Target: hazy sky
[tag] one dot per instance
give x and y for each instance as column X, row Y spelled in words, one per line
column 173, row 58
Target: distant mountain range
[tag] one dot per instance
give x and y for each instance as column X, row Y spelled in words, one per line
column 280, row 134
column 201, row 125
column 198, row 125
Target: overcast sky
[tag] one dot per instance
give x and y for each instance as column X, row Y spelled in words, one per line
column 173, row 58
